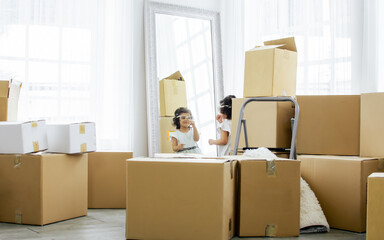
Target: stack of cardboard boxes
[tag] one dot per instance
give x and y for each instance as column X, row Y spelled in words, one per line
column 197, row 197
column 172, row 96
column 269, row 190
column 41, row 188
column 338, row 143
column 270, row 71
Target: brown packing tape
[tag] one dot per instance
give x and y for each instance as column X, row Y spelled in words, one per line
column 380, row 164
column 271, row 168
column 34, row 124
column 82, row 129
column 18, row 216
column 35, row 146
column 270, row 230
column 17, row 161
column 83, row 147
column 174, row 87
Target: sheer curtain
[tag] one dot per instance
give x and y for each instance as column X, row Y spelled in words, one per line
column 339, row 42
column 74, row 58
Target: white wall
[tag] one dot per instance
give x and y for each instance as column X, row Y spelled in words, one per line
column 140, row 105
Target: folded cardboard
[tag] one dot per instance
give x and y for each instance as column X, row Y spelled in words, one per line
column 269, row 201
column 106, row 179
column 372, row 125
column 340, row 184
column 180, row 199
column 39, row 189
column 270, row 70
column 23, row 137
column 71, row 138
column 375, row 206
column 9, row 100
column 329, row 125
column 166, row 127
column 173, row 94
column 268, row 123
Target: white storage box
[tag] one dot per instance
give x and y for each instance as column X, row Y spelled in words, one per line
column 23, row 137
column 71, row 138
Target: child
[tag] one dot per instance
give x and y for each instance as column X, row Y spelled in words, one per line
column 225, row 124
column 184, row 139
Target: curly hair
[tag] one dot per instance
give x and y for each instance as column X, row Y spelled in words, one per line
column 226, row 106
column 178, row 112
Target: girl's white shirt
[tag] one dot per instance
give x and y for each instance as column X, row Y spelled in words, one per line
column 225, row 126
column 187, row 139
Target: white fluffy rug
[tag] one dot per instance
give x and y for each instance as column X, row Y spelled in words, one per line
column 312, row 218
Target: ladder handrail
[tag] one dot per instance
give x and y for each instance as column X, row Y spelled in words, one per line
column 270, row 99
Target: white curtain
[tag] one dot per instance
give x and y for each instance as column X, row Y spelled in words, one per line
column 74, row 58
column 339, row 42
column 232, row 21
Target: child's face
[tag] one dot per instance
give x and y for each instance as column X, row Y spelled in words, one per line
column 185, row 119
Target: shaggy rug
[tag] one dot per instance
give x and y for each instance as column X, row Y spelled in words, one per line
column 312, row 218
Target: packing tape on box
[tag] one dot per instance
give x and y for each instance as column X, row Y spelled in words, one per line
column 231, row 168
column 271, row 168
column 18, row 216
column 34, row 124
column 83, row 147
column 82, row 129
column 35, row 146
column 380, row 164
column 17, row 161
column 270, row 230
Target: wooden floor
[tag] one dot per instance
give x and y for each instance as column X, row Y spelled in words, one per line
column 109, row 224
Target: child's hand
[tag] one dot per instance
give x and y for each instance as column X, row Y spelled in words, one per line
column 180, row 146
column 219, row 117
column 192, row 123
column 210, row 141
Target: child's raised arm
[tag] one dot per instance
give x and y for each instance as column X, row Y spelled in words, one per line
column 196, row 135
column 222, row 140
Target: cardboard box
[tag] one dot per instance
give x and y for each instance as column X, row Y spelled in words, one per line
column 38, row 189
column 329, row 125
column 340, row 184
column 269, row 198
column 9, row 100
column 375, row 207
column 71, row 138
column 106, row 179
column 270, row 70
column 268, row 123
column 23, row 137
column 180, row 199
column 173, row 94
column 372, row 125
column 165, row 128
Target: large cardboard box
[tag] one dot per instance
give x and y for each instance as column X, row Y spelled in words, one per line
column 269, row 198
column 165, row 128
column 39, row 189
column 270, row 70
column 180, row 199
column 268, row 123
column 106, row 179
column 372, row 125
column 340, row 184
column 9, row 100
column 71, row 138
column 375, row 207
column 23, row 137
column 329, row 125
column 173, row 94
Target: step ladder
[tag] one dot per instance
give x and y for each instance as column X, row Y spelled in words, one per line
column 242, row 122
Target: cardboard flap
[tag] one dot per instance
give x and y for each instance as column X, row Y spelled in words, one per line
column 286, row 43
column 176, row 76
column 4, row 88
column 257, row 48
